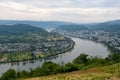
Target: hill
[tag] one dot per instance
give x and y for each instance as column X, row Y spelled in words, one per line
column 21, row 33
column 20, row 29
column 110, row 26
column 113, row 25
column 42, row 24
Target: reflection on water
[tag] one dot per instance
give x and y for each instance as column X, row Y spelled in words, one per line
column 14, row 63
column 81, row 46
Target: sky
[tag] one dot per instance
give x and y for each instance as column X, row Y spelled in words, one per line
column 80, row 11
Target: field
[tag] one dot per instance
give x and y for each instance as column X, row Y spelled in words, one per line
column 99, row 73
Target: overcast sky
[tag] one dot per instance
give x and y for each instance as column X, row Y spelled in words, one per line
column 82, row 11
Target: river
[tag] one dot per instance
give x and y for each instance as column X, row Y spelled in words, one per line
column 81, row 46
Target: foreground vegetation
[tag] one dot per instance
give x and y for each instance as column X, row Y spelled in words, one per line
column 93, row 68
column 98, row 73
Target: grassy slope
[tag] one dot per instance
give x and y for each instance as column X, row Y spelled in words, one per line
column 99, row 73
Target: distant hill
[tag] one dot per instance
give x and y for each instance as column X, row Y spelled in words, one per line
column 20, row 29
column 110, row 26
column 72, row 28
column 113, row 25
column 42, row 24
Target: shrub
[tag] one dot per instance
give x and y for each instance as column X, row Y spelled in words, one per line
column 70, row 67
column 50, row 68
column 81, row 59
column 9, row 75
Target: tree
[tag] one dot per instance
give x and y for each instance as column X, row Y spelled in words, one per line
column 23, row 74
column 114, row 57
column 50, row 68
column 70, row 67
column 96, row 61
column 9, row 75
column 81, row 59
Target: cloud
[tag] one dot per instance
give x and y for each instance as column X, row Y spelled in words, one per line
column 68, row 3
column 61, row 10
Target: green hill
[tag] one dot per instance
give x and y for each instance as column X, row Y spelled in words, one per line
column 20, row 29
column 21, row 33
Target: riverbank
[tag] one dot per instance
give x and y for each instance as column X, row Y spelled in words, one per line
column 82, row 62
column 108, row 47
column 46, row 57
column 109, row 42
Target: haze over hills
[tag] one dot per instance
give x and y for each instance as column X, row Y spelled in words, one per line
column 112, row 25
column 42, row 24
column 72, row 28
column 105, row 26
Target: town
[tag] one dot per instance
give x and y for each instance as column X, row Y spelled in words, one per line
column 36, row 50
column 109, row 39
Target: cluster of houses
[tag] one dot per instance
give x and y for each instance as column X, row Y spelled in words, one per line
column 110, row 38
column 36, row 47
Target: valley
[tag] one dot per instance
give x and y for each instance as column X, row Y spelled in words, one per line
column 37, row 47
column 59, row 39
column 21, row 42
